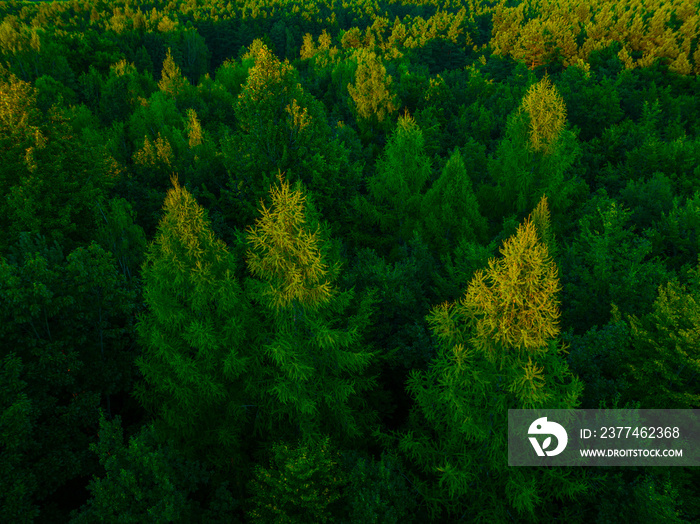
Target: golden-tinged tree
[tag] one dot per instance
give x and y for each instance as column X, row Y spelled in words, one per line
column 371, row 93
column 514, row 302
column 285, row 254
column 547, row 112
column 313, row 359
column 496, row 350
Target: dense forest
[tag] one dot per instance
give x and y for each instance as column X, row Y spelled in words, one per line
column 277, row 261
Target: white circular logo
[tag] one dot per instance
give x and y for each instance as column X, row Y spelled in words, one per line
column 542, row 427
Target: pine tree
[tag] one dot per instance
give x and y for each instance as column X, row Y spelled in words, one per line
column 194, row 333
column 497, row 350
column 315, row 361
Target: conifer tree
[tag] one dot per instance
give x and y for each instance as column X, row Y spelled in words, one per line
column 450, row 210
column 314, row 361
column 302, row 484
column 374, row 100
column 396, row 190
column 281, row 127
column 533, row 157
column 497, row 350
column 194, row 333
column 664, row 365
column 172, row 82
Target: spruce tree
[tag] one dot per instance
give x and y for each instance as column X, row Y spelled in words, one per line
column 450, row 210
column 396, row 190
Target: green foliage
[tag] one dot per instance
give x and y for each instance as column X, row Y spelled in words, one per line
column 158, row 114
column 118, row 234
column 122, row 90
column 664, row 362
column 101, row 105
column 315, row 365
column 676, row 157
column 675, row 236
column 597, row 358
column 592, row 104
column 648, row 199
column 195, row 332
column 280, row 127
column 302, row 484
column 450, row 210
column 396, row 189
column 50, row 177
column 232, row 74
column 69, row 319
column 459, row 267
column 401, row 288
column 608, row 263
column 533, row 157
column 52, row 92
column 497, row 350
column 17, row 481
column 194, row 54
column 646, row 499
column 377, row 491
column 145, row 480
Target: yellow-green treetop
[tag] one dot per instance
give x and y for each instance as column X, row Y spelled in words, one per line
column 285, row 253
column 547, row 112
column 514, row 302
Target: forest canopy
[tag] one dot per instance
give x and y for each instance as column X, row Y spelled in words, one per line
column 292, row 262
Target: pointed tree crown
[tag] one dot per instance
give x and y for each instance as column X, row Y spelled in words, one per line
column 286, row 254
column 547, row 112
column 172, row 82
column 514, row 303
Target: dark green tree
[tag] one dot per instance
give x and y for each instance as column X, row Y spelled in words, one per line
column 663, row 366
column 17, row 418
column 303, row 483
column 450, row 211
column 148, row 480
column 69, row 318
column 608, row 263
column 396, row 190
column 195, row 335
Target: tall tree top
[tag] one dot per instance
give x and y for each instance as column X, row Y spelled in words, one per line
column 285, row 253
column 514, row 302
column 547, row 112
